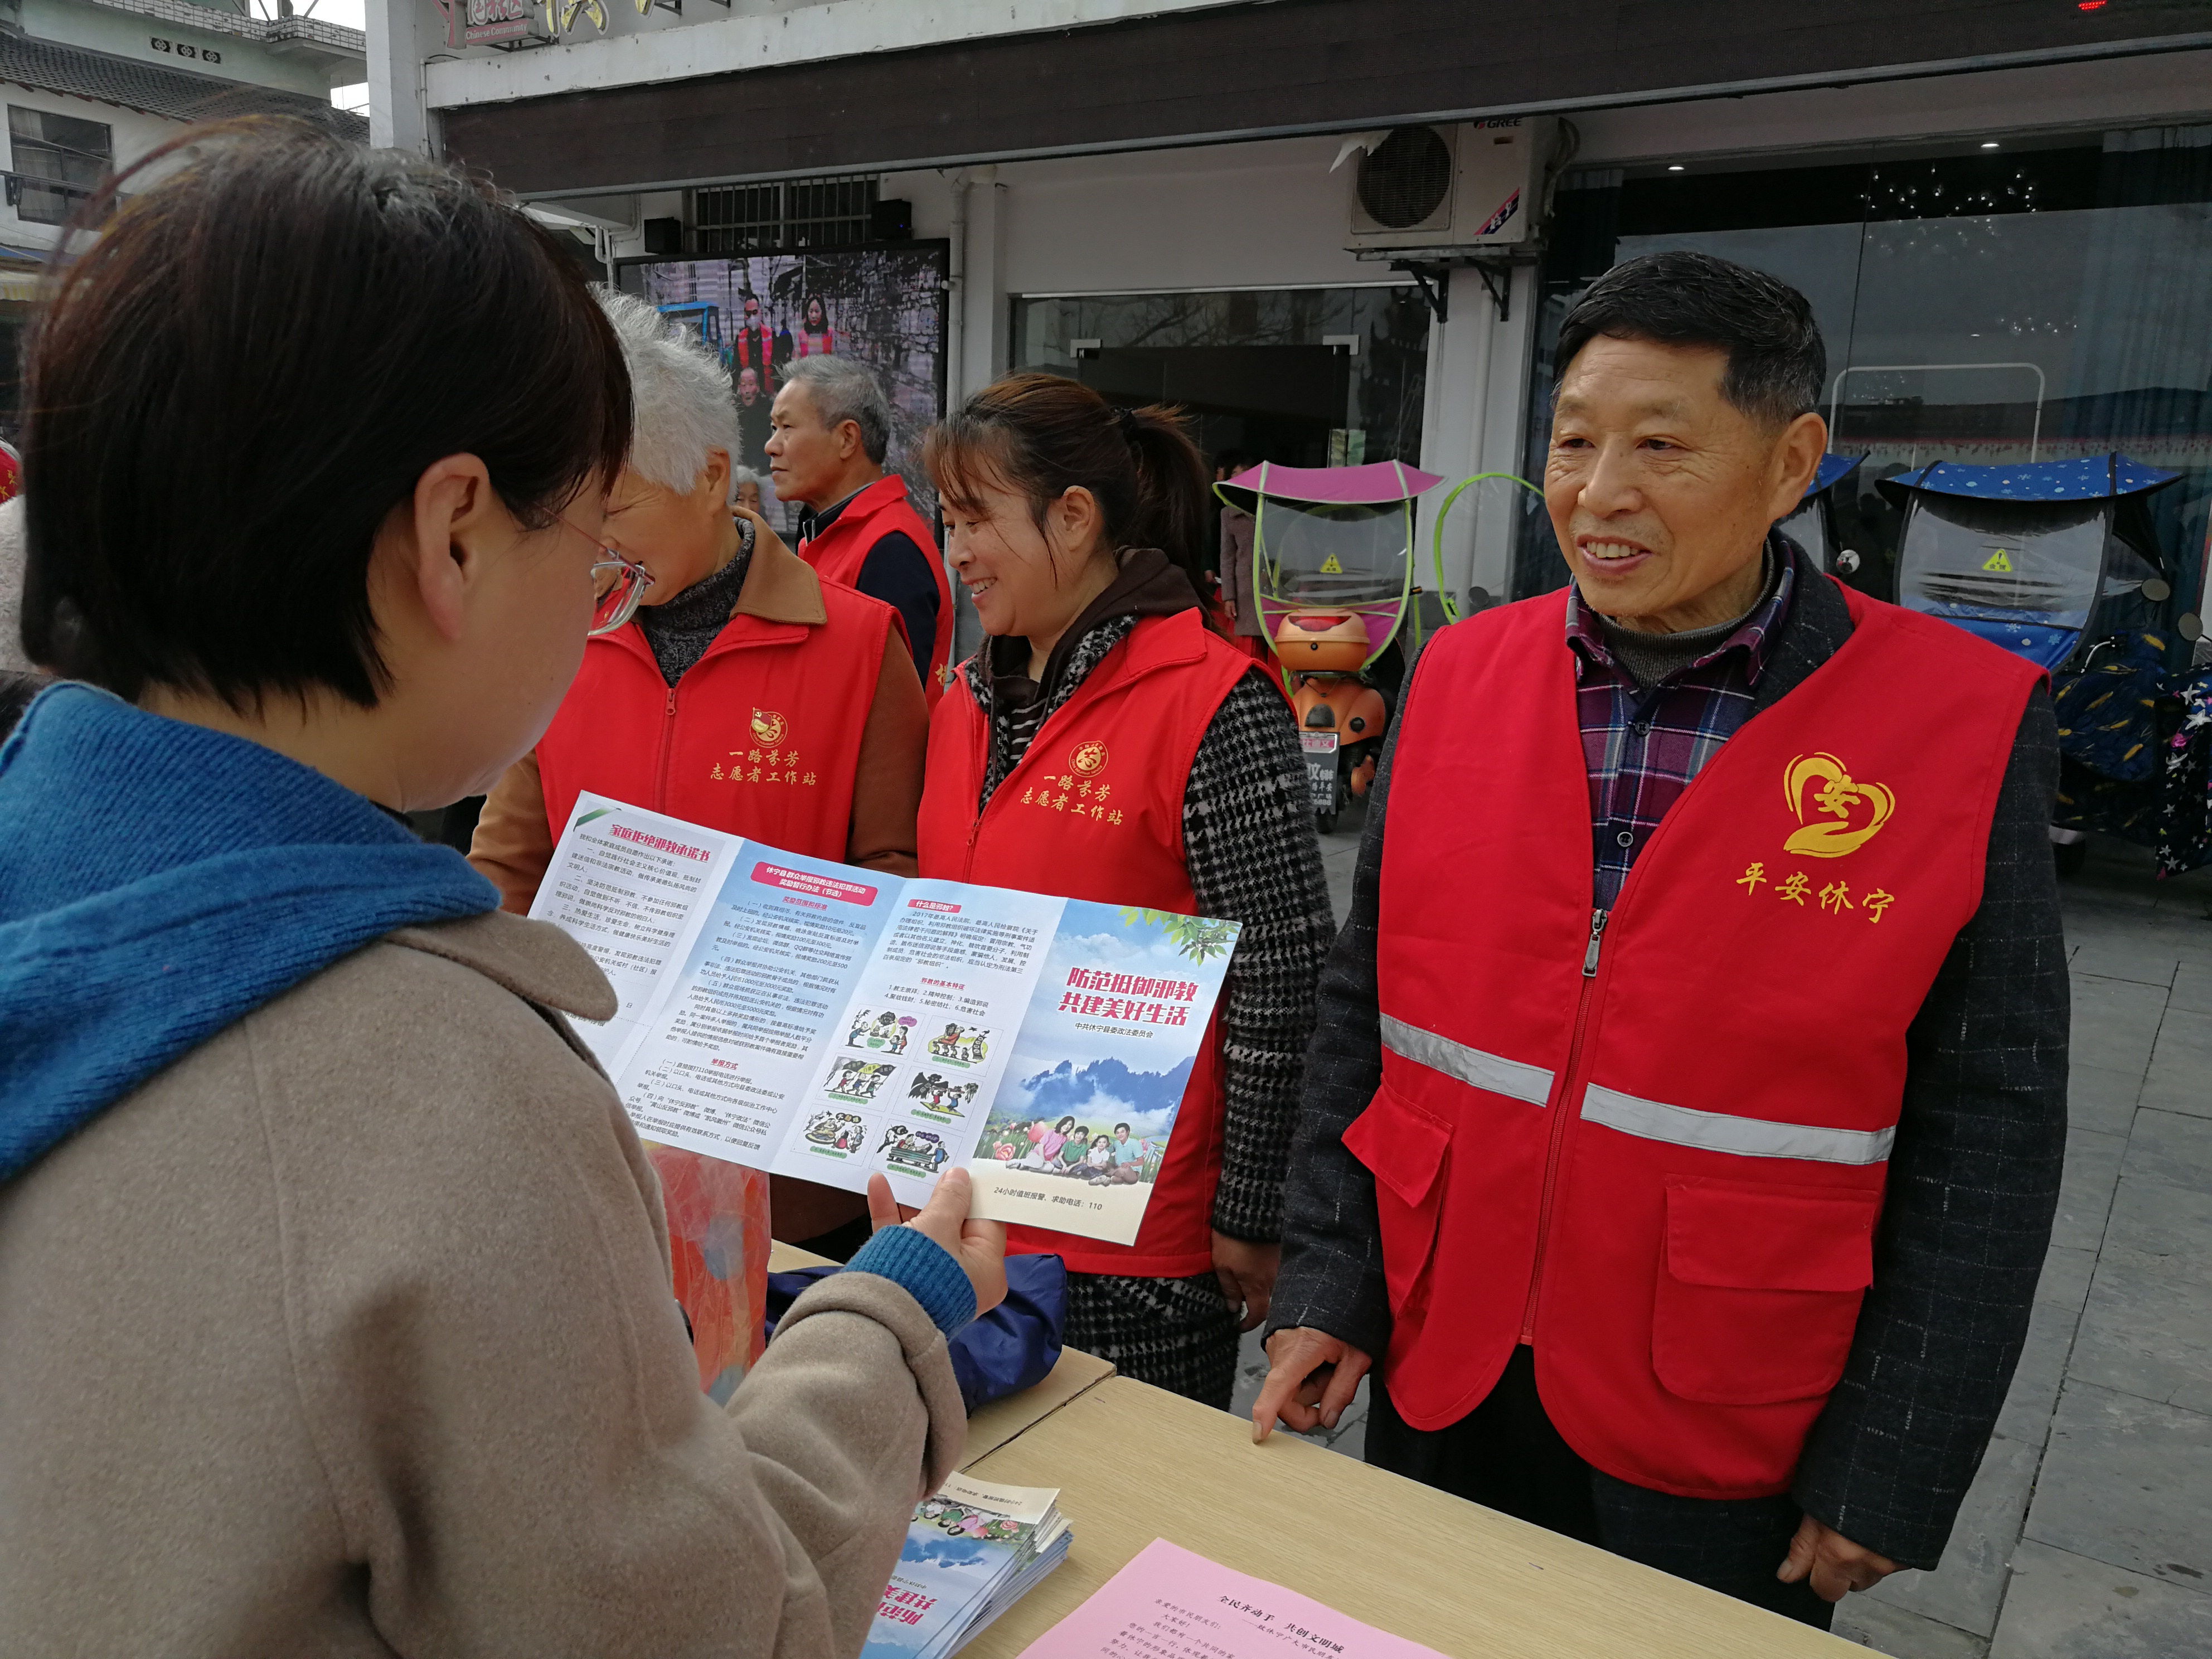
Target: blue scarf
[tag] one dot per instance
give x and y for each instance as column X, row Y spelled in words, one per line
column 158, row 883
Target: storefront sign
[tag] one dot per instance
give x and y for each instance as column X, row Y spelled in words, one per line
column 493, row 22
column 497, row 19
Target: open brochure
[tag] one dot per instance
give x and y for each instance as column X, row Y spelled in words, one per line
column 826, row 1022
column 971, row 1551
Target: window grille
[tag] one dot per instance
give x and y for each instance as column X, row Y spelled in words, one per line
column 803, row 213
column 59, row 160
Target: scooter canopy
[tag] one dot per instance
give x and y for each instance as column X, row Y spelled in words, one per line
column 1811, row 525
column 2016, row 555
column 1333, row 542
column 1375, row 481
column 1831, row 472
column 2090, row 478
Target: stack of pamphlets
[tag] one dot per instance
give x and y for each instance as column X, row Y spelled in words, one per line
column 971, row 1552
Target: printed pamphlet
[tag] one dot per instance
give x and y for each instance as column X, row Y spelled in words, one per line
column 971, row 1551
column 1171, row 1604
column 818, row 1020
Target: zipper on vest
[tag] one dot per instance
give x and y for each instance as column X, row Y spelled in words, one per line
column 667, row 743
column 983, row 764
column 1569, row 1081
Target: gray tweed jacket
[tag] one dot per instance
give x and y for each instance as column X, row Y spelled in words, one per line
column 1973, row 1176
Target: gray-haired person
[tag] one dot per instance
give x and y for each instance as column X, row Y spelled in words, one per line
column 830, row 434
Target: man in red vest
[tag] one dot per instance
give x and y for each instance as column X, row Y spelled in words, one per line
column 830, row 430
column 1683, row 1125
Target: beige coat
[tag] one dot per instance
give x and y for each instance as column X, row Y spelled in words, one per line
column 351, row 1333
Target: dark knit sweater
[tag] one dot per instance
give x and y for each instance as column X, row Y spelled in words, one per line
column 1652, row 659
column 679, row 631
column 1248, row 841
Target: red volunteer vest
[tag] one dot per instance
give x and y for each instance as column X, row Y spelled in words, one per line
column 761, row 739
column 1148, row 703
column 838, row 553
column 1653, row 1144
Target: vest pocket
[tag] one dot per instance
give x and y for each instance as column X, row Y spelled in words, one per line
column 1405, row 1146
column 1759, row 1289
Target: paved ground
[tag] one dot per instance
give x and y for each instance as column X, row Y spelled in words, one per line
column 2088, row 1535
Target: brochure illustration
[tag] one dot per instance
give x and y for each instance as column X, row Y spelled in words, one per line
column 818, row 1020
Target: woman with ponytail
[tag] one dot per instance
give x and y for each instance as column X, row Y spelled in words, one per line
column 1077, row 529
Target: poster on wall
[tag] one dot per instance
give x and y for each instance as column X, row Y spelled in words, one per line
column 882, row 306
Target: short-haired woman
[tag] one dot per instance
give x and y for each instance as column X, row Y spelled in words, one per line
column 749, row 695
column 334, row 1282
column 1078, row 528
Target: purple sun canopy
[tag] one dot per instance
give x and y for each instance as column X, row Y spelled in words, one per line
column 1374, row 482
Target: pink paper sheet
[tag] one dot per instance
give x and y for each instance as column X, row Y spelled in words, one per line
column 1169, row 1604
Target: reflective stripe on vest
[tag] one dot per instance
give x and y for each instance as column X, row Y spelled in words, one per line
column 1495, row 1073
column 1719, row 1132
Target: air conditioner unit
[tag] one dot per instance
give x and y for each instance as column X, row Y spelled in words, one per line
column 1471, row 184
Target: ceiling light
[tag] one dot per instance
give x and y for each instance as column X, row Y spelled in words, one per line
column 1674, row 166
column 1988, row 143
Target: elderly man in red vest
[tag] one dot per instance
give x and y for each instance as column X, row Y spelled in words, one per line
column 1683, row 1125
column 830, row 432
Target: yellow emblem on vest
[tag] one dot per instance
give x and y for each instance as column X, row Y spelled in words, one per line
column 1854, row 811
column 1329, row 566
column 1089, row 758
column 1998, row 561
column 768, row 726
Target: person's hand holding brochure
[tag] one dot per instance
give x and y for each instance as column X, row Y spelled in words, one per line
column 822, row 1021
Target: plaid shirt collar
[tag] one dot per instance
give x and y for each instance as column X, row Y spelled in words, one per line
column 1754, row 637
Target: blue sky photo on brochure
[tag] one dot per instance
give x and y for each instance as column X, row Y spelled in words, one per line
column 1109, row 1042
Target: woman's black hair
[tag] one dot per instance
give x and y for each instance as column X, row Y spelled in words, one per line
column 237, row 383
column 1042, row 435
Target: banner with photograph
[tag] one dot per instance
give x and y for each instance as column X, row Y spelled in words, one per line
column 882, row 306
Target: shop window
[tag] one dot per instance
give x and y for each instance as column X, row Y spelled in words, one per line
column 1306, row 376
column 1988, row 308
column 59, row 160
column 805, row 213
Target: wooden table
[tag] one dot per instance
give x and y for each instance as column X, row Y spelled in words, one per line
column 1001, row 1421
column 1135, row 1463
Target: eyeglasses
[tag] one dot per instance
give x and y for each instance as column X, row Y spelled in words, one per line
column 617, row 585
column 620, row 584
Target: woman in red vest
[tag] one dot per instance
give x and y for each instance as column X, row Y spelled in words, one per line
column 1077, row 528
column 747, row 694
